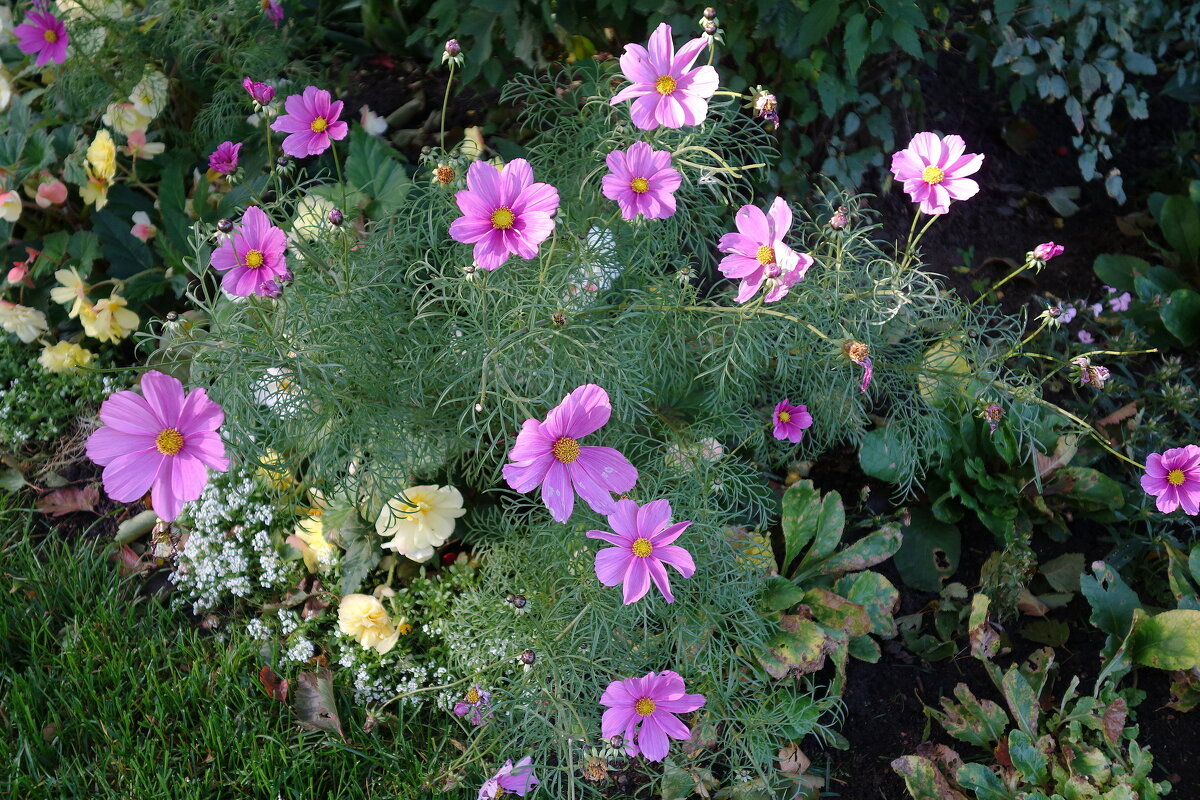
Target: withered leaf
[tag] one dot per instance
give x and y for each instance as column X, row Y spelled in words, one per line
column 315, row 705
column 68, row 500
column 275, row 687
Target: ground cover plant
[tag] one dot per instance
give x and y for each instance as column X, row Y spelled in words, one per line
column 580, row 463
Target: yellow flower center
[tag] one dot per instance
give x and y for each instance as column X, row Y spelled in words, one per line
column 404, row 628
column 50, row 36
column 318, row 125
column 565, row 449
column 1175, row 477
column 254, row 259
column 785, row 416
column 765, row 255
column 932, row 175
column 169, row 442
column 502, row 218
column 642, row 547
column 644, row 707
column 640, row 185
column 664, row 85
column 473, row 696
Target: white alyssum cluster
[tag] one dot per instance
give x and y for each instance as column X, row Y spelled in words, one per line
column 300, row 651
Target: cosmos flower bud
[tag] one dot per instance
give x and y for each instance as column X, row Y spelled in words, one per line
column 283, row 161
column 336, row 217
column 710, row 13
column 710, row 28
column 224, row 225
column 839, row 219
column 452, row 47
column 528, row 657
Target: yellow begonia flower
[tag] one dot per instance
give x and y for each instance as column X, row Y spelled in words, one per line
column 102, row 156
column 26, row 323
column 108, row 320
column 420, row 520
column 365, row 619
column 73, row 290
column 318, row 551
column 64, row 357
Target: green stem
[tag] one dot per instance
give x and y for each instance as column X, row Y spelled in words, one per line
column 445, row 105
column 1003, row 281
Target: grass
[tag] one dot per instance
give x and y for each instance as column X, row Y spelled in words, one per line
column 105, row 692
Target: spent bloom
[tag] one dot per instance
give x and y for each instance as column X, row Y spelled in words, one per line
column 860, row 353
column 758, row 254
column 311, row 122
column 274, row 11
column 1173, row 478
column 22, row 321
column 642, row 182
column 476, row 703
column 512, row 778
column 43, row 34
column 934, row 171
column 363, row 618
column 765, row 105
column 1090, row 373
column 224, row 159
column 643, row 538
column 163, row 442
column 260, row 92
column 64, row 357
column 549, row 453
column 646, row 708
column 789, row 421
column 993, row 413
column 665, row 89
column 253, row 256
column 419, row 520
column 504, row 212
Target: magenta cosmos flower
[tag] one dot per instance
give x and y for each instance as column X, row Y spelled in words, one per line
column 643, row 538
column 789, row 421
column 651, row 703
column 44, row 34
column 757, row 252
column 224, row 159
column 254, row 256
column 512, row 778
column 312, row 122
column 934, row 171
column 273, row 10
column 1173, row 478
column 159, row 443
column 642, row 182
column 261, row 92
column 504, row 212
column 549, row 453
column 666, row 90
column 1047, row 250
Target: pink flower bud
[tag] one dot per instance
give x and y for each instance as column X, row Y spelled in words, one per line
column 51, row 193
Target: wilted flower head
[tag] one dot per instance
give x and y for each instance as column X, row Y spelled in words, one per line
column 512, row 778
column 476, row 703
column 860, row 354
column 274, row 11
column 1173, row 477
column 1090, row 373
column 934, row 171
column 766, row 105
column 665, row 89
column 993, row 413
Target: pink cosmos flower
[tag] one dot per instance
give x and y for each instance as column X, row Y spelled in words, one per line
column 224, row 159
column 44, row 34
column 312, row 120
column 161, row 442
column 274, row 12
column 51, row 193
column 651, row 703
column 1173, row 477
column 758, row 253
column 642, row 182
column 253, row 255
column 666, row 90
column 512, row 778
column 261, row 92
column 1047, row 251
column 643, row 538
column 504, row 212
column 548, row 453
column 790, row 421
column 934, row 171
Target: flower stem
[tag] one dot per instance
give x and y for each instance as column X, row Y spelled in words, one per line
column 445, row 105
column 1002, row 281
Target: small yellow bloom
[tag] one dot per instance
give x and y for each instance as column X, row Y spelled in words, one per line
column 102, row 156
column 95, row 192
column 318, row 551
column 64, row 357
column 365, row 619
column 275, row 471
column 108, row 320
column 73, row 291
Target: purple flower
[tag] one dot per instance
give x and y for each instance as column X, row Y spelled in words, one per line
column 548, row 453
column 1047, row 251
column 643, row 538
column 666, row 90
column 648, row 703
column 512, row 778
column 1086, row 337
column 44, row 34
column 1120, row 302
column 1066, row 314
column 161, row 442
column 477, row 703
column 790, row 421
column 642, row 182
column 312, row 122
column 1173, row 477
column 758, row 252
column 261, row 92
column 254, row 257
column 274, row 11
column 934, row 171
column 504, row 212
column 224, row 159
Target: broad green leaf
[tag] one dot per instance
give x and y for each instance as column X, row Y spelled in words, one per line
column 374, row 168
column 1181, row 316
column 983, row 782
column 1112, row 601
column 781, row 593
column 876, row 594
column 984, row 641
column 1088, row 487
column 1027, row 756
column 801, row 646
column 818, row 22
column 1170, row 640
column 864, row 648
column 855, row 40
column 975, row 721
column 1179, row 219
column 1022, row 701
column 362, row 554
column 868, row 551
column 929, row 551
column 836, row 612
column 127, row 255
column 797, row 519
column 905, row 35
column 84, row 248
column 1047, row 631
column 315, row 705
column 880, row 456
column 1118, row 271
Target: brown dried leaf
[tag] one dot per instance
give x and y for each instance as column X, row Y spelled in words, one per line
column 1123, row 413
column 130, row 561
column 1029, row 604
column 68, row 500
column 315, row 704
column 272, row 684
column 1114, row 720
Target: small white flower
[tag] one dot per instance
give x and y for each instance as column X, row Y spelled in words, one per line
column 372, row 123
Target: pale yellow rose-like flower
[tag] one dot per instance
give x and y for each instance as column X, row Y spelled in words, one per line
column 102, row 156
column 312, row 217
column 366, row 620
column 319, row 551
column 149, row 97
column 421, row 522
column 109, row 320
column 25, row 322
column 10, row 206
column 73, row 290
column 64, row 357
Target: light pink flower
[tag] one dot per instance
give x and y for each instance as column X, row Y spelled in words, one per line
column 142, row 228
column 1120, row 302
column 512, row 778
column 1173, row 478
column 548, row 453
column 44, row 34
column 645, row 708
column 504, row 212
column 934, row 171
column 224, row 159
column 758, row 254
column 666, row 90
column 312, row 122
column 1086, row 337
column 643, row 538
column 138, row 147
column 159, row 443
column 261, row 92
column 51, row 193
column 641, row 181
column 1047, row 251
column 790, row 421
column 254, row 255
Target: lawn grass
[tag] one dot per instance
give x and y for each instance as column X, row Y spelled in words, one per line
column 105, row 692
